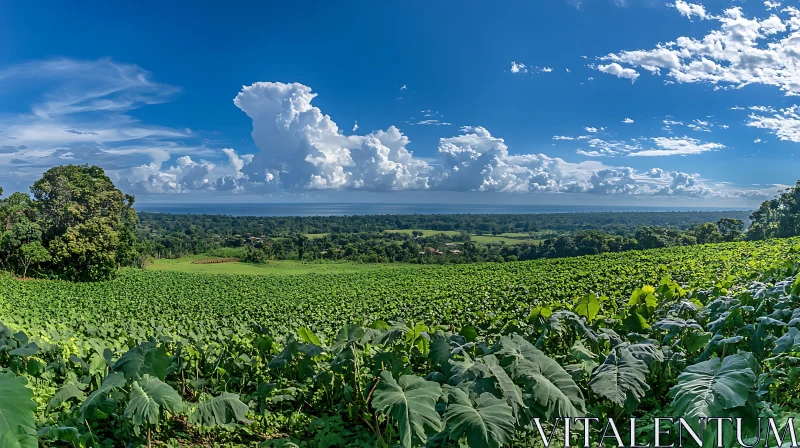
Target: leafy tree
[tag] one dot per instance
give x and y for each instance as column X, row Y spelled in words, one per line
column 706, row 233
column 730, row 229
column 77, row 224
column 21, row 244
column 88, row 223
column 777, row 218
column 32, row 253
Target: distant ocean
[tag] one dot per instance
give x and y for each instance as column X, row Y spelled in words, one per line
column 348, row 209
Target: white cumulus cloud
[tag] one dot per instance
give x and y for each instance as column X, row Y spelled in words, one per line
column 738, row 52
column 518, row 68
column 785, row 125
column 618, row 71
column 677, row 146
column 690, row 9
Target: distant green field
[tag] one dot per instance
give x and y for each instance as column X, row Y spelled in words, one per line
column 313, row 236
column 425, row 232
column 488, row 239
column 275, row 267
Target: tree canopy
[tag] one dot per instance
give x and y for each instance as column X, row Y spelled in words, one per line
column 777, row 218
column 75, row 224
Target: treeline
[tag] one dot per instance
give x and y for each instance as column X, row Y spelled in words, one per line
column 173, row 235
column 460, row 248
column 648, row 237
column 75, row 225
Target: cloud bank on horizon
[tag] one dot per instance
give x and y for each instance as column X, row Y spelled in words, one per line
column 301, row 148
column 86, row 115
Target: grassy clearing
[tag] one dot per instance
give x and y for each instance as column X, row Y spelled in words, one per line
column 488, row 239
column 425, row 232
column 314, row 236
column 275, row 267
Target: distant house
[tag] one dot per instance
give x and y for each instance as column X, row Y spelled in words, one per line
column 455, row 251
column 435, row 251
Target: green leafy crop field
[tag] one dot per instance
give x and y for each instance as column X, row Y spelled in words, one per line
column 180, row 303
column 439, row 356
column 271, row 267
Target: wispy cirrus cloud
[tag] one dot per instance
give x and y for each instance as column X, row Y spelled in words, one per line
column 81, row 112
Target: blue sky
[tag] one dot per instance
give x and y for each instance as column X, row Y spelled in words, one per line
column 601, row 101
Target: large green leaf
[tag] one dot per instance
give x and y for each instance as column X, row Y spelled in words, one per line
column 440, row 350
column 487, row 423
column 68, row 434
column 222, row 410
column 549, row 387
column 789, row 342
column 95, row 399
column 411, row 403
column 17, row 423
column 708, row 388
column 65, row 394
column 621, row 378
column 28, row 350
column 511, row 392
column 145, row 359
column 149, row 396
column 308, row 336
column 588, row 306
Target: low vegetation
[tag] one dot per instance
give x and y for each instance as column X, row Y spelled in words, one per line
column 348, row 354
column 187, row 359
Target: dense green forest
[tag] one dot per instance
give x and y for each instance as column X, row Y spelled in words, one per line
column 618, row 223
column 445, row 238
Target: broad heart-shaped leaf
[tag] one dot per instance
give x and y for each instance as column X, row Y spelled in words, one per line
column 286, row 355
column 112, row 382
column 789, row 342
column 348, row 337
column 695, row 341
column 61, row 433
column 550, row 388
column 644, row 295
column 440, row 350
column 511, row 391
column 64, row 394
column 649, row 353
column 635, row 322
column 17, row 423
column 222, row 410
column 488, row 423
column 411, row 403
column 581, row 353
column 621, row 377
column 308, row 336
column 145, row 359
column 588, row 306
column 28, row 350
column 708, row 388
column 148, row 397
